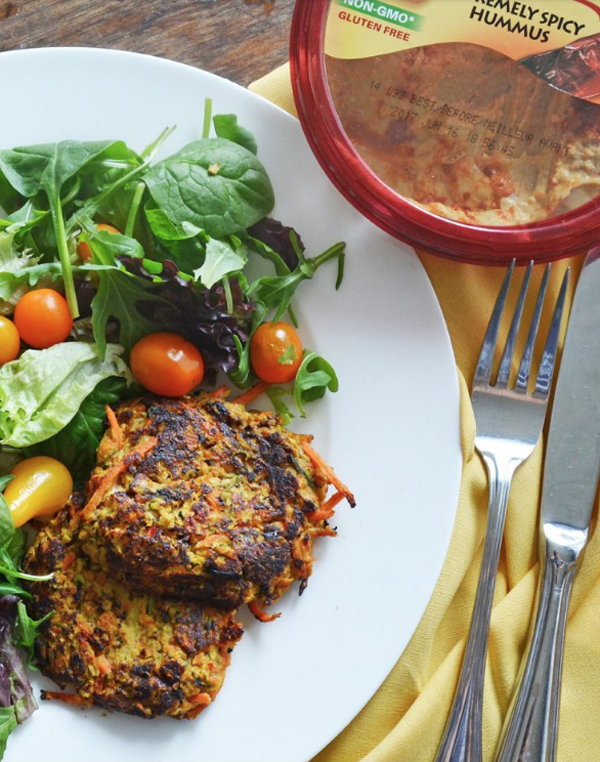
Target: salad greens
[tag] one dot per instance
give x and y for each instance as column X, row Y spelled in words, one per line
column 17, row 629
column 41, row 392
column 195, row 252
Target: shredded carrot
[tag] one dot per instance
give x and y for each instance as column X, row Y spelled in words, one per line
column 218, row 394
column 67, row 698
column 203, row 699
column 327, row 510
column 112, row 474
column 68, row 560
column 114, row 427
column 253, row 393
column 260, row 614
column 324, row 532
column 103, row 665
column 328, row 473
column 193, row 713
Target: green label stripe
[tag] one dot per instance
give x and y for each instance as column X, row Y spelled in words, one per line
column 385, row 12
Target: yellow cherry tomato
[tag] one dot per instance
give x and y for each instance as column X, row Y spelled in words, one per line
column 10, row 341
column 276, row 352
column 41, row 486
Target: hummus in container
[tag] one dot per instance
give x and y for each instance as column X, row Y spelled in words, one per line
column 467, row 128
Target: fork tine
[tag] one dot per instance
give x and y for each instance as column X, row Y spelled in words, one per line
column 486, row 357
column 509, row 349
column 525, row 367
column 546, row 371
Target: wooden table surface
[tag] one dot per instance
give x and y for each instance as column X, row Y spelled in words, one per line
column 238, row 39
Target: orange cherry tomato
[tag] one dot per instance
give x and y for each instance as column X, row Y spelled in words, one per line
column 167, row 364
column 276, row 352
column 10, row 341
column 83, row 247
column 43, row 318
column 41, row 486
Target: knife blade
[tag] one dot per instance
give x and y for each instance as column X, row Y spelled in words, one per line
column 571, row 473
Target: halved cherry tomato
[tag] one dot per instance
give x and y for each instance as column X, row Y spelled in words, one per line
column 41, row 486
column 83, row 247
column 276, row 352
column 43, row 318
column 10, row 341
column 167, row 364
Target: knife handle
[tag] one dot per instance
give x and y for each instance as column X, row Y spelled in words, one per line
column 531, row 728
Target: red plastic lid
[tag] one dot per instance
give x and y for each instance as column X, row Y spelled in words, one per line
column 469, row 129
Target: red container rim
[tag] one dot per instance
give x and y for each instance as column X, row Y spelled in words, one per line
column 557, row 237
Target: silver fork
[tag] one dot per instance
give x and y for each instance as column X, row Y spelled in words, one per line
column 509, row 422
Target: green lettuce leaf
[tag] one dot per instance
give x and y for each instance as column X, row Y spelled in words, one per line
column 76, row 444
column 41, row 392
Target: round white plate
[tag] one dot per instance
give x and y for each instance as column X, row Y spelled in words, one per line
column 391, row 432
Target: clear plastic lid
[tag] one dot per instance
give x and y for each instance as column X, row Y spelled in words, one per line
column 469, row 128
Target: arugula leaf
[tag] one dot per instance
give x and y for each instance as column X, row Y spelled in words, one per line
column 119, row 291
column 227, row 126
column 221, row 259
column 75, row 445
column 242, row 375
column 314, row 377
column 215, row 184
column 26, row 632
column 277, row 396
column 117, row 298
column 276, row 292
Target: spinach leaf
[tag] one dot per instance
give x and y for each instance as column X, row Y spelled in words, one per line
column 75, row 445
column 32, row 170
column 227, row 126
column 215, row 184
column 221, row 259
column 314, row 377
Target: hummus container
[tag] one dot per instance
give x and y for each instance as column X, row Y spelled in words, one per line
column 467, row 128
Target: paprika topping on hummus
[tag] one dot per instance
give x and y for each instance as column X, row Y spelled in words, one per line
column 468, row 133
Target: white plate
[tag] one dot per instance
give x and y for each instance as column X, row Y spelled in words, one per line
column 391, row 432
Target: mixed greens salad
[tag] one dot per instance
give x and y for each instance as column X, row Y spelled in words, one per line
column 107, row 256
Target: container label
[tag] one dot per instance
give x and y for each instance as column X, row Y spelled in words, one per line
column 481, row 111
column 520, row 30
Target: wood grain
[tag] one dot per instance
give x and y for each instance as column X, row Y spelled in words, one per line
column 238, row 39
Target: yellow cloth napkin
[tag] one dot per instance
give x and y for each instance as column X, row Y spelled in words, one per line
column 404, row 721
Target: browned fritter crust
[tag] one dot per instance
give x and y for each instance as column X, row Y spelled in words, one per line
column 202, row 499
column 134, row 654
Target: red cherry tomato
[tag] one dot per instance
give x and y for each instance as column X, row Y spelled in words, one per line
column 167, row 364
column 83, row 247
column 42, row 318
column 10, row 341
column 276, row 352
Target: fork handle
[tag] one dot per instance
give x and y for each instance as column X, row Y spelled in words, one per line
column 462, row 739
column 531, row 729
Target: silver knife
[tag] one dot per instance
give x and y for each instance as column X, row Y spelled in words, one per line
column 571, row 472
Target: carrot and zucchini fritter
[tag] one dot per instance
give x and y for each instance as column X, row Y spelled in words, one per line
column 203, row 499
column 131, row 653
